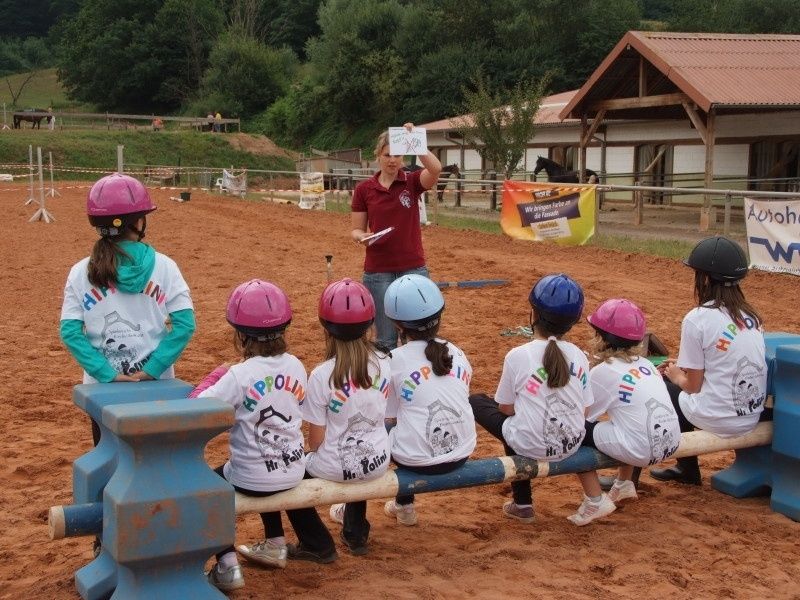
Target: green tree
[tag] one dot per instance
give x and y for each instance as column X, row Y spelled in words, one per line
column 126, row 54
column 245, row 76
column 501, row 124
column 735, row 16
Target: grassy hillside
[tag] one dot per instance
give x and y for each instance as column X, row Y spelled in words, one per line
column 98, row 149
column 42, row 91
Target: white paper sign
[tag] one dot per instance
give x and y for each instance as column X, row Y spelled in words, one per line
column 403, row 142
column 773, row 234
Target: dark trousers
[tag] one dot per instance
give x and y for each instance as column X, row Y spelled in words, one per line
column 427, row 470
column 311, row 531
column 356, row 527
column 487, row 415
column 688, row 463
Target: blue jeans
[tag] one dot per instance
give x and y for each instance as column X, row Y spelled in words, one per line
column 377, row 284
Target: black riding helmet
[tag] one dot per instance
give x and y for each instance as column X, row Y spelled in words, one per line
column 723, row 259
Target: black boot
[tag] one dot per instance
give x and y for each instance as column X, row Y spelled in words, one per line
column 606, row 481
column 686, row 471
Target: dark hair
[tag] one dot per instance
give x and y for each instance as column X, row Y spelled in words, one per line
column 555, row 363
column 250, row 346
column 721, row 295
column 437, row 352
column 103, row 261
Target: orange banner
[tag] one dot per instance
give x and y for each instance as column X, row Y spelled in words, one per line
column 545, row 211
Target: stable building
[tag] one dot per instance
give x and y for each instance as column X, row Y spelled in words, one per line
column 675, row 110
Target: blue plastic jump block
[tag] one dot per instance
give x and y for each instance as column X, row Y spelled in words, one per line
column 164, row 511
column 91, row 472
column 786, row 436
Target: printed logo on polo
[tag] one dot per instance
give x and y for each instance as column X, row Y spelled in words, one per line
column 273, row 437
column 440, row 428
column 559, row 436
column 663, row 441
column 747, row 393
column 405, row 199
column 120, row 343
column 357, row 455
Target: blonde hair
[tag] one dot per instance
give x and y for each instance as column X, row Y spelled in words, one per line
column 601, row 351
column 352, row 360
column 383, row 140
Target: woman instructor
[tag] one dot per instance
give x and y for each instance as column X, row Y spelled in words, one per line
column 389, row 199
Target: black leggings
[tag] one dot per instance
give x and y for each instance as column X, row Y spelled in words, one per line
column 487, row 414
column 310, row 530
column 674, row 394
column 439, row 469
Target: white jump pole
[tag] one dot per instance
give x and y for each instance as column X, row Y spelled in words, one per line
column 120, row 161
column 30, row 176
column 315, row 492
column 53, row 191
column 41, row 214
column 86, row 519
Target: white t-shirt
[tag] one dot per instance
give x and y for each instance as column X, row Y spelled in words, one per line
column 735, row 379
column 548, row 424
column 643, row 426
column 267, row 440
column 434, row 418
column 126, row 328
column 356, row 445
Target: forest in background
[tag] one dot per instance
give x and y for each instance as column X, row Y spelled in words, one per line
column 331, row 73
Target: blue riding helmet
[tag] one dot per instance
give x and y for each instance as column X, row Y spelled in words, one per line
column 414, row 301
column 558, row 300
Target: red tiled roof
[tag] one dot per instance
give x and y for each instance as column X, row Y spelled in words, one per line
column 713, row 69
column 548, row 113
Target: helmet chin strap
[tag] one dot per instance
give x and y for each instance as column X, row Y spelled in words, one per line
column 140, row 232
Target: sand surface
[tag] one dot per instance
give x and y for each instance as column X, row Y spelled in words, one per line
column 674, row 542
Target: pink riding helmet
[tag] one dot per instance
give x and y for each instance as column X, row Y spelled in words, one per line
column 259, row 308
column 346, row 309
column 621, row 318
column 115, row 196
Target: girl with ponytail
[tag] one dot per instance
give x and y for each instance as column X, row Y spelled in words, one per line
column 429, row 399
column 539, row 409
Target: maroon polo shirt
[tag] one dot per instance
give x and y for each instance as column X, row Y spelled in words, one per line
column 396, row 207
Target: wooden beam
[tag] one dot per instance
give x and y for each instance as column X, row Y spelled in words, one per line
column 644, row 102
column 584, row 137
column 696, row 121
column 598, row 119
column 642, row 77
column 706, row 212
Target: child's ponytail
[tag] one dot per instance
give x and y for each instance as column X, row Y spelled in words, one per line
column 555, row 363
column 103, row 261
column 439, row 354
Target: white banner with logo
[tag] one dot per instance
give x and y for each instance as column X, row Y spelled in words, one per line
column 773, row 234
column 312, row 191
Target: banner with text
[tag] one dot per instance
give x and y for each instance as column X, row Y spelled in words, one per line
column 773, row 234
column 541, row 211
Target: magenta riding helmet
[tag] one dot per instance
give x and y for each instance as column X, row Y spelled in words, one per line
column 346, row 309
column 259, row 309
column 116, row 201
column 619, row 322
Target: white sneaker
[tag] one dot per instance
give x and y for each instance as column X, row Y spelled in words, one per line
column 265, row 554
column 404, row 513
column 226, row 580
column 622, row 490
column 588, row 511
column 337, row 513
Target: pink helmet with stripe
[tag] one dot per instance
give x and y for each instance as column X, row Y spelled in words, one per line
column 117, row 200
column 621, row 319
column 259, row 309
column 346, row 309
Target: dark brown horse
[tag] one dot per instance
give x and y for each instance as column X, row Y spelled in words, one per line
column 34, row 119
column 446, row 172
column 558, row 174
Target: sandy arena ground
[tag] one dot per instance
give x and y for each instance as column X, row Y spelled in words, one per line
column 674, row 542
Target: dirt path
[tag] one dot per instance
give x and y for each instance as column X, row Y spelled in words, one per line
column 673, row 542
